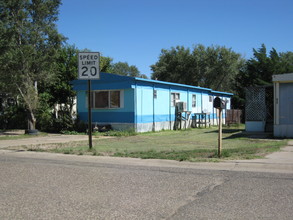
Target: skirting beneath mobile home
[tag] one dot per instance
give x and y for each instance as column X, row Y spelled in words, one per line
column 283, row 131
column 157, row 126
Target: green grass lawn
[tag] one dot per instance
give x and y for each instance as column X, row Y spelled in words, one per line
column 190, row 145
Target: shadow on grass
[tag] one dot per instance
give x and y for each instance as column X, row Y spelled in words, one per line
column 227, row 131
column 234, row 133
column 239, row 133
column 251, row 135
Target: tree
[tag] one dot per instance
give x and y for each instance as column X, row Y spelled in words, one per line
column 58, row 94
column 214, row 67
column 60, row 89
column 105, row 64
column 143, row 76
column 174, row 65
column 122, row 68
column 286, row 59
column 259, row 70
column 29, row 44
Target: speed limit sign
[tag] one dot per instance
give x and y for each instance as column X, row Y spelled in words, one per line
column 89, row 65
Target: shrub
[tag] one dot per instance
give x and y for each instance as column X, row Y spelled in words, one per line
column 120, row 133
column 13, row 117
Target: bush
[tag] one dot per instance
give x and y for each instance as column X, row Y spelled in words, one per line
column 46, row 119
column 79, row 125
column 124, row 133
column 44, row 115
column 13, row 117
column 63, row 122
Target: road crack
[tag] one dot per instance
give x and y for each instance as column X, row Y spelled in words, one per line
column 206, row 190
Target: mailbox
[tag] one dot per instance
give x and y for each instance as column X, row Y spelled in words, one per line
column 219, row 103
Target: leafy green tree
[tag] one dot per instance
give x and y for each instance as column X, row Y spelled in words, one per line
column 143, row 76
column 259, row 70
column 213, row 67
column 174, row 65
column 29, row 44
column 60, row 89
column 122, row 68
column 286, row 59
column 58, row 93
column 105, row 64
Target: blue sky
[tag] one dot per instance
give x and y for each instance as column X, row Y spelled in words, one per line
column 135, row 31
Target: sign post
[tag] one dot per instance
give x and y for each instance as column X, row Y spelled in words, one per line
column 90, row 114
column 89, row 69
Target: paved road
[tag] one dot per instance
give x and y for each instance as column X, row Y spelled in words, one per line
column 54, row 186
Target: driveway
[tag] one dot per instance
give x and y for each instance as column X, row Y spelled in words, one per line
column 36, row 140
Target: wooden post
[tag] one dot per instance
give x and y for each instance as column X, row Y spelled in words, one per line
column 220, row 133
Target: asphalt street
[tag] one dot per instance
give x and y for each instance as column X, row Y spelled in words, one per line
column 54, row 186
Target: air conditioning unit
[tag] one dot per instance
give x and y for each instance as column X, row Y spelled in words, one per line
column 181, row 106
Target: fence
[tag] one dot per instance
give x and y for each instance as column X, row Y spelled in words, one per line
column 233, row 116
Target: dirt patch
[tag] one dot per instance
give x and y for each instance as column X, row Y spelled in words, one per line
column 12, row 133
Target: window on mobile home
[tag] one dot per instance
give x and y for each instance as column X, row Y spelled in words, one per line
column 101, row 99
column 114, row 99
column 106, row 99
column 155, row 94
column 193, row 101
column 174, row 97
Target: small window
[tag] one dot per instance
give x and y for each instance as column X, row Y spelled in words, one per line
column 210, row 98
column 174, row 97
column 155, row 94
column 193, row 101
column 114, row 99
column 101, row 99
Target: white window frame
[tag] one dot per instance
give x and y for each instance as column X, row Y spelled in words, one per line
column 194, row 101
column 121, row 104
column 175, row 96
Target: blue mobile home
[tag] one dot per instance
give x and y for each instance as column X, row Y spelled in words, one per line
column 142, row 104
